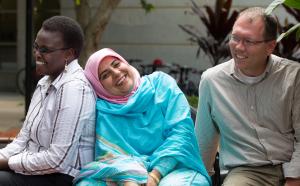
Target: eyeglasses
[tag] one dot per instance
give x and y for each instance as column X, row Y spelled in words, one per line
column 247, row 42
column 45, row 50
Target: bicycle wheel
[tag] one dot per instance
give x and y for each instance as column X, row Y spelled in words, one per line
column 20, row 81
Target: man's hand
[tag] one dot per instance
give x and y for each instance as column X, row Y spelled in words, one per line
column 292, row 182
column 4, row 164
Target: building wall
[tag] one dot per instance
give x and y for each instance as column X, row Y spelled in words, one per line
column 137, row 35
column 8, row 45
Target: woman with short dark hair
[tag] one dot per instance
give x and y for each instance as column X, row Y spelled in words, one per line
column 57, row 136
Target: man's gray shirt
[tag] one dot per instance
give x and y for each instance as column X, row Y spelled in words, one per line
column 257, row 124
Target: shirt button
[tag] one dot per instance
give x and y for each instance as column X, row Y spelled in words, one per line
column 252, row 108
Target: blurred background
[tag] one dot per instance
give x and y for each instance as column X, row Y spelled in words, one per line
column 180, row 37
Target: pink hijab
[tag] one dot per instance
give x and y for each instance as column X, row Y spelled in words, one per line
column 91, row 72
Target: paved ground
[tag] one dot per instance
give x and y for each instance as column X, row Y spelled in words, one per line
column 11, row 112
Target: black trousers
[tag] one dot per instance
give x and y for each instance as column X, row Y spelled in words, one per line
column 9, row 178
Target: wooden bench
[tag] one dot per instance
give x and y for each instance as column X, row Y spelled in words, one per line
column 5, row 140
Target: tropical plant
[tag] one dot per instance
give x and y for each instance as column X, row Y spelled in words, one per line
column 218, row 22
column 288, row 45
column 95, row 24
column 193, row 101
column 289, row 3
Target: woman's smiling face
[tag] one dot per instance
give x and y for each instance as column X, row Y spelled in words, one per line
column 116, row 77
column 50, row 54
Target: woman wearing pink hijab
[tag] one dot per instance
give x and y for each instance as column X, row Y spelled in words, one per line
column 145, row 134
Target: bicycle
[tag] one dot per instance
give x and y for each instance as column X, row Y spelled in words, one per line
column 20, row 79
column 180, row 73
column 143, row 69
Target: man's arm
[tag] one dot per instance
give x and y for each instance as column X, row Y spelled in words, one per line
column 206, row 133
column 292, row 169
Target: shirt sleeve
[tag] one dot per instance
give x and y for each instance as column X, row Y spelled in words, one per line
column 16, row 146
column 165, row 165
column 292, row 168
column 19, row 143
column 73, row 107
column 205, row 129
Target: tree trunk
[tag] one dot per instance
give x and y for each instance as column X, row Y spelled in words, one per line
column 93, row 25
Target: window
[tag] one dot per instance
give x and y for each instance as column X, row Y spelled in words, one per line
column 8, row 31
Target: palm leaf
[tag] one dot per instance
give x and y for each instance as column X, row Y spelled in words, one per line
column 195, row 8
column 191, row 30
column 297, row 26
column 298, row 33
column 218, row 25
column 294, row 12
column 292, row 3
column 273, row 5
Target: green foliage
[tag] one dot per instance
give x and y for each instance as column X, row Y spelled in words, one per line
column 77, row 2
column 288, row 42
column 288, row 46
column 290, row 3
column 291, row 30
column 273, row 5
column 218, row 21
column 148, row 7
column 193, row 101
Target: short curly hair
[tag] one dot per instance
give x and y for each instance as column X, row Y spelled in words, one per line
column 70, row 30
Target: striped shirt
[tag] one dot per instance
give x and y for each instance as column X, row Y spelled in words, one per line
column 256, row 123
column 58, row 132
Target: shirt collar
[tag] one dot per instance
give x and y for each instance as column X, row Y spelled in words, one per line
column 72, row 67
column 234, row 72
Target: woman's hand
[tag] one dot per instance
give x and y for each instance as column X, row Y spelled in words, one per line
column 151, row 181
column 153, row 178
column 4, row 164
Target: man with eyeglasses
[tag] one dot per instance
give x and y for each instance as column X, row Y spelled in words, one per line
column 249, row 108
column 57, row 136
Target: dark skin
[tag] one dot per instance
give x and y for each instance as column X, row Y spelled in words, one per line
column 52, row 63
column 4, row 164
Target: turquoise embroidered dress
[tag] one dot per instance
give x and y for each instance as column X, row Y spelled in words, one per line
column 152, row 129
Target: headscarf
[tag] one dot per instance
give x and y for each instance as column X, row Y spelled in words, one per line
column 91, row 72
